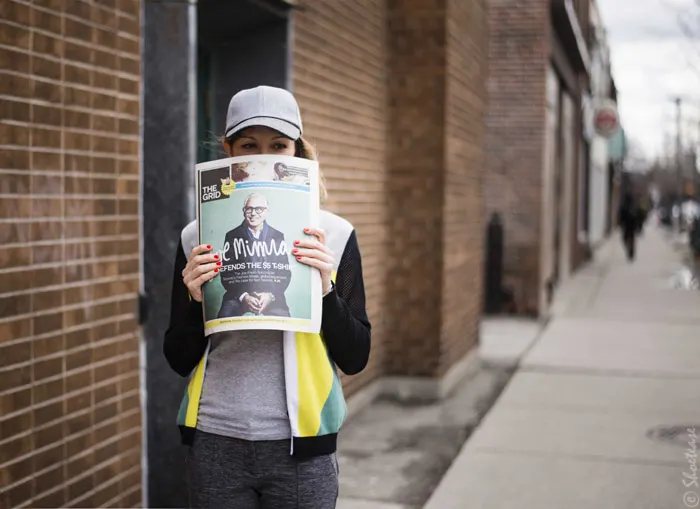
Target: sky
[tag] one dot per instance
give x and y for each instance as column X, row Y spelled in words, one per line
column 652, row 61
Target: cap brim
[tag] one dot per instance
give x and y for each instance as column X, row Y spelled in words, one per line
column 281, row 126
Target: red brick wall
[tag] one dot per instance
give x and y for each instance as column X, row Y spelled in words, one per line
column 517, row 62
column 340, row 82
column 436, row 85
column 393, row 95
column 465, row 108
column 417, row 42
column 70, row 420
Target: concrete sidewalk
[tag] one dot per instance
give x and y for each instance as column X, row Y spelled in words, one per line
column 596, row 416
column 393, row 453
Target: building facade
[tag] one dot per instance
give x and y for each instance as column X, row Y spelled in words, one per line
column 601, row 177
column 70, row 399
column 393, row 96
column 107, row 106
column 538, row 69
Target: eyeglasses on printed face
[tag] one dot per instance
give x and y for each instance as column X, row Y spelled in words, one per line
column 258, row 210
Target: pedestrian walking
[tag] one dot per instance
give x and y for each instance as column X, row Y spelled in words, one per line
column 629, row 219
column 261, row 426
column 644, row 208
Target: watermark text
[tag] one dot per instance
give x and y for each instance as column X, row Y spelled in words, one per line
column 690, row 477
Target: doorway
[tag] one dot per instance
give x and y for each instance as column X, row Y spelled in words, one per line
column 567, row 172
column 549, row 236
column 240, row 45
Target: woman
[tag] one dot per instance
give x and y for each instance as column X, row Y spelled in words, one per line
column 263, row 408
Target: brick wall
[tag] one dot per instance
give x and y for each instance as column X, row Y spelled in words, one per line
column 437, row 102
column 393, row 95
column 340, row 82
column 70, row 421
column 517, row 60
column 464, row 169
column 417, row 42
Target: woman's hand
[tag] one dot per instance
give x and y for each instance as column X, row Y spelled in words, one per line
column 201, row 267
column 315, row 253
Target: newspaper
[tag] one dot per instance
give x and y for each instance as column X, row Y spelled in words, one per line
column 251, row 209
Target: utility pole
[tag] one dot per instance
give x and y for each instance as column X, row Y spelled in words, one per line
column 678, row 100
column 695, row 166
column 679, row 179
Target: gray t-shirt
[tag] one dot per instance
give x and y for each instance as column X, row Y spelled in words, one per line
column 244, row 393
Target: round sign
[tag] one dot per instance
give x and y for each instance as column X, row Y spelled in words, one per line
column 606, row 119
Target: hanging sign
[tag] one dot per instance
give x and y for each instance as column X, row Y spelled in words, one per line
column 606, row 119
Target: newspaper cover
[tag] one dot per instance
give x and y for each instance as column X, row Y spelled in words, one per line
column 250, row 209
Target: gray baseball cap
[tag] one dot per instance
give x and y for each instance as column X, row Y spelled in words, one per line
column 265, row 106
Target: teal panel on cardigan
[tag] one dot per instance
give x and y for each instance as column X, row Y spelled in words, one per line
column 334, row 409
column 182, row 412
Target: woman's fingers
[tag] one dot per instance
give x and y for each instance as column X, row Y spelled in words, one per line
column 195, row 278
column 313, row 253
column 204, row 258
column 201, row 267
column 197, row 250
column 203, row 278
column 200, row 255
column 318, row 233
column 198, row 270
column 311, row 244
column 315, row 262
column 206, row 267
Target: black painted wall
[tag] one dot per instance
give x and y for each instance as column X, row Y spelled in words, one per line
column 168, row 177
column 253, row 51
column 244, row 44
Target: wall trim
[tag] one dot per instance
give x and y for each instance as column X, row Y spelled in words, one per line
column 415, row 388
column 467, row 366
column 364, row 397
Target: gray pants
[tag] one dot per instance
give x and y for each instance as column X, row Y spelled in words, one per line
column 230, row 473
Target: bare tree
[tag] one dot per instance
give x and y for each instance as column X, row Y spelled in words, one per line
column 689, row 24
column 688, row 21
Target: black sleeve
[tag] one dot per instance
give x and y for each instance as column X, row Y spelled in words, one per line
column 185, row 342
column 344, row 324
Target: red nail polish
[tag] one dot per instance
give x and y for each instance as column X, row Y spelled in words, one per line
column 295, row 251
column 298, row 258
column 218, row 264
column 216, row 257
column 216, row 270
column 208, row 246
column 306, row 230
column 296, row 242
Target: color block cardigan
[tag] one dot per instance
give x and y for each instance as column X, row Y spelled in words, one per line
column 315, row 401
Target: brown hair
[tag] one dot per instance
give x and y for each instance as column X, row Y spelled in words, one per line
column 303, row 149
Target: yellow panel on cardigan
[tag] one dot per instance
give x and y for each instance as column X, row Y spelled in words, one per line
column 315, row 380
column 194, row 391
